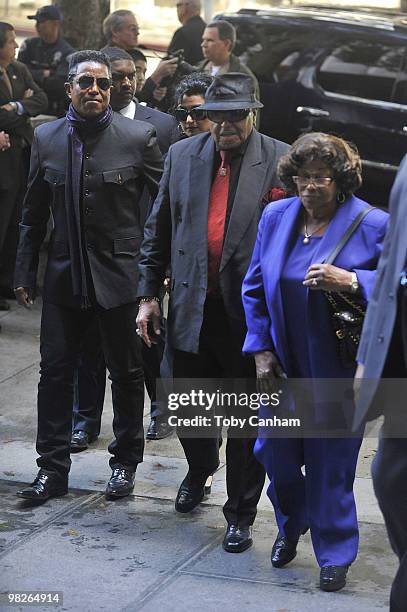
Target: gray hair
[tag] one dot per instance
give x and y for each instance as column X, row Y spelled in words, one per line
column 114, row 22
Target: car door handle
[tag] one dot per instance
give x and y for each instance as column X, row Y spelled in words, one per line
column 312, row 112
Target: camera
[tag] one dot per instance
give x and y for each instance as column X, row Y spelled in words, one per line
column 183, row 68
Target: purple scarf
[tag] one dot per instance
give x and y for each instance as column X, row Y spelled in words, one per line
column 78, row 129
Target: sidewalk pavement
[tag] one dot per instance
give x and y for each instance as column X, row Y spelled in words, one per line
column 138, row 553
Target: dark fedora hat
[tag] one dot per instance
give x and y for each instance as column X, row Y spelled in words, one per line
column 231, row 91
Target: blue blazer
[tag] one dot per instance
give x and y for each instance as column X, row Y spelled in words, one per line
column 261, row 289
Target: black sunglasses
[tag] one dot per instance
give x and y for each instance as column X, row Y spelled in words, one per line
column 196, row 114
column 85, row 82
column 118, row 77
column 231, row 116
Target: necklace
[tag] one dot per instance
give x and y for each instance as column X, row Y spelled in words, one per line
column 307, row 236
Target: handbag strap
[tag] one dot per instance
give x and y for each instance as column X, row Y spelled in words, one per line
column 347, row 235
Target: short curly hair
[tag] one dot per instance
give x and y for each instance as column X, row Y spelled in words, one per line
column 341, row 156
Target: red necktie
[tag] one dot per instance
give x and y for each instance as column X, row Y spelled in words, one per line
column 218, row 202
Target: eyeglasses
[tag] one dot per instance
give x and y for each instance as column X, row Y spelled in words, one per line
column 231, row 116
column 196, row 114
column 85, row 82
column 118, row 77
column 317, row 181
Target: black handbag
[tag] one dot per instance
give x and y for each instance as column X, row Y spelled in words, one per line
column 347, row 311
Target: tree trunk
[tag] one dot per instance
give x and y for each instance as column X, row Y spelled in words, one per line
column 82, row 25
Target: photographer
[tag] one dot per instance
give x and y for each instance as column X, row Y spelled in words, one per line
column 121, row 29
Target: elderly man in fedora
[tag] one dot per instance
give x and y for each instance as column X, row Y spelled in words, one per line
column 203, row 225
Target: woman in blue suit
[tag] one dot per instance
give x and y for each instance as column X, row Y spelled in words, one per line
column 290, row 333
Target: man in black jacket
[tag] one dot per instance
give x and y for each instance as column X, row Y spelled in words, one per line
column 20, row 99
column 188, row 37
column 47, row 56
column 88, row 407
column 89, row 169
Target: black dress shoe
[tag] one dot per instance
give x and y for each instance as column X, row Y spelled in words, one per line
column 237, row 539
column 333, row 577
column 283, row 551
column 44, row 487
column 158, row 429
column 121, row 483
column 80, row 440
column 189, row 496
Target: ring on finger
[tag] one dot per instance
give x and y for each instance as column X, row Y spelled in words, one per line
column 314, row 282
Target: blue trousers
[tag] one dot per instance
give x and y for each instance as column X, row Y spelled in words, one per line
column 322, row 500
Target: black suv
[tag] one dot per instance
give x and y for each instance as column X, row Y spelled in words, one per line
column 331, row 70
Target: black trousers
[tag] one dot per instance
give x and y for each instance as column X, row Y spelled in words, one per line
column 389, row 467
column 90, row 384
column 62, row 331
column 220, row 356
column 90, row 381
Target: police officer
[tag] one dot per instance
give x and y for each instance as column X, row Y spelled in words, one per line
column 47, row 56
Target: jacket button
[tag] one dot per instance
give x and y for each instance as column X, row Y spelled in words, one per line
column 87, row 156
column 90, row 247
column 181, row 252
column 88, row 210
column 380, row 338
column 86, row 192
column 87, row 173
column 184, row 284
column 391, row 296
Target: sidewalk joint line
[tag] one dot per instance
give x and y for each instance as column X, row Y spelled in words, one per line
column 72, row 507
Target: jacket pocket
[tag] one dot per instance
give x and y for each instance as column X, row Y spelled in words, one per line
column 120, row 175
column 127, row 246
column 54, row 177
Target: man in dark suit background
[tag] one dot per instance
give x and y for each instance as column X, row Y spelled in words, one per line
column 204, row 225
column 383, row 354
column 20, row 99
column 91, row 381
column 89, row 169
column 188, row 37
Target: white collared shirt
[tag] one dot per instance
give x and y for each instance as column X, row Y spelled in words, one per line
column 129, row 111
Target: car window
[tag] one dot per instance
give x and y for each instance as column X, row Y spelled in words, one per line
column 272, row 51
column 362, row 69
